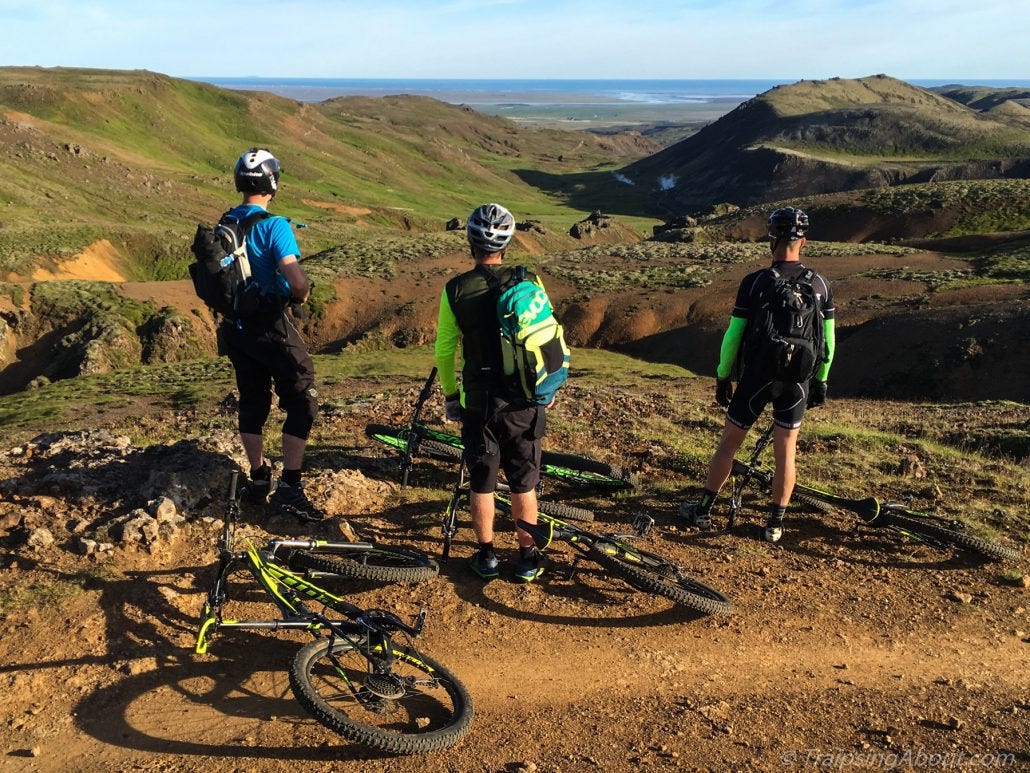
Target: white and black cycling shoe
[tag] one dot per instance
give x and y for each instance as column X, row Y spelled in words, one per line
column 773, row 530
column 694, row 515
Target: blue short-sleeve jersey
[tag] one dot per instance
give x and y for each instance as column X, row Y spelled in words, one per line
column 270, row 241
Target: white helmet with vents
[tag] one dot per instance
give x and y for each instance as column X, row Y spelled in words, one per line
column 490, row 227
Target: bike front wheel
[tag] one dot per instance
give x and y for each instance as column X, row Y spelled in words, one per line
column 381, row 564
column 415, row 706
column 936, row 533
column 653, row 574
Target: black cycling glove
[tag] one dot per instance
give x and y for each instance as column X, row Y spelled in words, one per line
column 723, row 391
column 816, row 393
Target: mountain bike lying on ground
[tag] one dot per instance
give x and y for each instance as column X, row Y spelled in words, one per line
column 355, row 678
column 923, row 527
column 643, row 570
column 502, row 502
column 418, row 439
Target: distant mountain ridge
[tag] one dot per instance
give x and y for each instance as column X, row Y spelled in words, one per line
column 835, row 135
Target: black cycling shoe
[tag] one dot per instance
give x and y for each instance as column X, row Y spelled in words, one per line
column 255, row 491
column 290, row 500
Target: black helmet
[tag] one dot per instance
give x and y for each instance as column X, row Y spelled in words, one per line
column 788, row 223
column 257, row 171
column 490, row 227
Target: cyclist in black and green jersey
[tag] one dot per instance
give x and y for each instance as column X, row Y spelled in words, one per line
column 495, row 432
column 787, row 227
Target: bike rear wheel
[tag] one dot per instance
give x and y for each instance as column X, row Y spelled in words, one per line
column 936, row 533
column 381, row 564
column 418, row 706
column 804, row 502
column 653, row 574
column 397, row 438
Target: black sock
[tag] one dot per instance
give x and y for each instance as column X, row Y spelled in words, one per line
column 707, row 500
column 264, row 472
column 776, row 513
column 486, row 548
column 527, row 552
column 292, row 477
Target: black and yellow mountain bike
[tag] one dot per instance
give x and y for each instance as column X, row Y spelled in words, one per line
column 922, row 527
column 615, row 553
column 419, row 439
column 361, row 676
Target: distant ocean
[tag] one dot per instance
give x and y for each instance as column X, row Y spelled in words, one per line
column 500, row 92
column 535, row 92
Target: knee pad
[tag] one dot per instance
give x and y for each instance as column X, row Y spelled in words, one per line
column 254, row 412
column 300, row 413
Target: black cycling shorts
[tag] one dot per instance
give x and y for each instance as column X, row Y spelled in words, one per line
column 508, row 439
column 753, row 394
column 270, row 354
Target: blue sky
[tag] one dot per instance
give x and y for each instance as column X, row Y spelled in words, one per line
column 783, row 39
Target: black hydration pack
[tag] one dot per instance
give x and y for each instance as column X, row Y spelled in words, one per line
column 221, row 272
column 784, row 340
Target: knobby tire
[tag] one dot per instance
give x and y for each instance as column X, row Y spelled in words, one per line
column 565, row 512
column 425, row 718
column 654, row 574
column 957, row 539
column 598, row 472
column 810, row 503
column 380, row 564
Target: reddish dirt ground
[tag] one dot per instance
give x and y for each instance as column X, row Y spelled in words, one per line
column 842, row 649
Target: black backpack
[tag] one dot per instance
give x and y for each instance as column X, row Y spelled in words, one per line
column 784, row 340
column 221, row 272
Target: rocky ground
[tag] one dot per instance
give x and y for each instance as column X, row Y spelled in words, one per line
column 844, row 649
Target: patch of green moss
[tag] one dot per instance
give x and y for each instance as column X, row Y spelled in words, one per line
column 378, row 257
column 72, row 299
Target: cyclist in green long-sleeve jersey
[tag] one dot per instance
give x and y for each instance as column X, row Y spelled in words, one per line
column 498, row 431
column 750, row 334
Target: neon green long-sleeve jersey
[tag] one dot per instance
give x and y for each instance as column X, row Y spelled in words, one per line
column 734, row 336
column 447, row 337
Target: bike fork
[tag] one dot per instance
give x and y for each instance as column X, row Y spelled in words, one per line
column 450, row 518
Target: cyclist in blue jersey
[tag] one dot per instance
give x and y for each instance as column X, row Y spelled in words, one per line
column 266, row 349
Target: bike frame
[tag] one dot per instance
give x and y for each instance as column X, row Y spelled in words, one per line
column 417, row 431
column 416, row 428
column 288, row 590
column 744, row 472
column 579, row 537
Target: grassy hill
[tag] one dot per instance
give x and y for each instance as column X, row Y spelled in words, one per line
column 983, row 98
column 138, row 157
column 824, row 136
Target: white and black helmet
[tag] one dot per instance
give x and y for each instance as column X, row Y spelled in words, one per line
column 257, row 171
column 490, row 227
column 788, row 223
